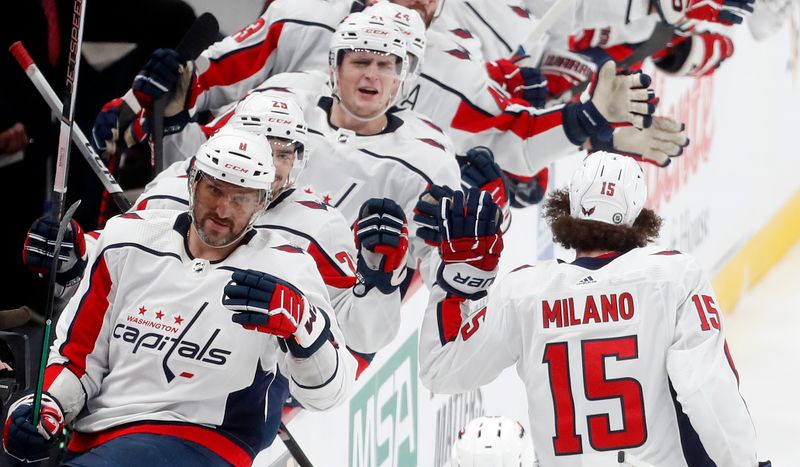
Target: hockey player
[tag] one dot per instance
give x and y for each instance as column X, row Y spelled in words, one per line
column 165, row 353
column 493, row 442
column 607, row 345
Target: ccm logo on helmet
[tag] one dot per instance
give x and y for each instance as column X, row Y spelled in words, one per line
column 279, row 120
column 236, row 168
column 375, row 31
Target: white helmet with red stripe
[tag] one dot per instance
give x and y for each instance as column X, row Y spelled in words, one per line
column 493, row 442
column 238, row 157
column 607, row 188
column 274, row 115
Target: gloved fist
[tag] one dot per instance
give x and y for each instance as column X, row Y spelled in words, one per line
column 622, row 98
column 479, row 170
column 381, row 236
column 24, row 441
column 427, row 214
column 471, row 243
column 656, row 145
column 522, row 82
column 159, row 76
column 105, row 132
column 264, row 303
column 726, row 12
column 527, row 191
column 698, row 55
column 38, row 251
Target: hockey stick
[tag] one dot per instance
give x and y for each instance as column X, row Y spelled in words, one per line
column 78, row 137
column 293, row 447
column 202, row 34
column 631, row 460
column 48, row 316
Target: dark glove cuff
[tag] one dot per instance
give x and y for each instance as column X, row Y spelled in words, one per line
column 72, row 275
column 368, row 278
column 305, row 352
column 676, row 57
column 176, row 123
column 583, row 120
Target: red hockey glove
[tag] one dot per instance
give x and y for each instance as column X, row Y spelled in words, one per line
column 520, row 81
column 24, row 441
column 697, row 55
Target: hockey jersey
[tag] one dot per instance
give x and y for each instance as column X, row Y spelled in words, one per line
column 368, row 322
column 622, row 352
column 145, row 345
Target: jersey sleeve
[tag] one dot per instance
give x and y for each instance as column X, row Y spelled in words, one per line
column 323, row 379
column 465, row 344
column 702, row 372
column 78, row 358
column 276, row 42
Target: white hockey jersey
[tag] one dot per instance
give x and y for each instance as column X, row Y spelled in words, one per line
column 613, row 352
column 368, row 322
column 457, row 94
column 145, row 345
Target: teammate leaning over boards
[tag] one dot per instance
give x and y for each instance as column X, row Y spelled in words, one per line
column 165, row 352
column 623, row 322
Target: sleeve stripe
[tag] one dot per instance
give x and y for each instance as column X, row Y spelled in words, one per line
column 51, row 373
column 88, row 319
column 730, row 362
column 331, row 274
column 522, row 124
column 448, row 314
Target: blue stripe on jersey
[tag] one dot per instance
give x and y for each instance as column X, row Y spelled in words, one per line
column 245, row 412
column 693, row 450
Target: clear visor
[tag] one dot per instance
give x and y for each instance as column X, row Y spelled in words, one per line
column 413, row 63
column 383, row 63
column 289, row 157
column 210, row 191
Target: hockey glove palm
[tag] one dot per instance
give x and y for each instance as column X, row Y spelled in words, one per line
column 471, row 243
column 622, row 98
column 381, row 236
column 656, row 145
column 38, row 252
column 24, row 441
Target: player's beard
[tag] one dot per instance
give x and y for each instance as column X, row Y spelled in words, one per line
column 214, row 239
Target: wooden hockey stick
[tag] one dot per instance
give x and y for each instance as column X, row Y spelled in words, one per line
column 78, row 137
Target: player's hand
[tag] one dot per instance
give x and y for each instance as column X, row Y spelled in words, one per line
column 106, row 132
column 39, row 249
column 479, row 170
column 24, row 441
column 522, row 82
column 427, row 213
column 264, row 303
column 698, row 55
column 159, row 76
column 527, row 191
column 381, row 236
column 657, row 145
column 622, row 98
column 471, row 243
column 725, row 12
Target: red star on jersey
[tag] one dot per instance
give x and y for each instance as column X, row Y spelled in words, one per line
column 178, row 319
column 326, row 199
column 142, row 310
column 159, row 314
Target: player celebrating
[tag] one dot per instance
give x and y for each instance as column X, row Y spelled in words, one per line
column 165, row 353
column 606, row 345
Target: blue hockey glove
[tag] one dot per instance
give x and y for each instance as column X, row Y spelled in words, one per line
column 381, row 236
column 38, row 252
column 24, row 441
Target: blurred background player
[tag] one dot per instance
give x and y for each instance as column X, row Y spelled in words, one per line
column 493, row 442
column 623, row 321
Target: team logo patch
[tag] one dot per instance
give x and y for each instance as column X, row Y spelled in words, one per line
column 432, row 142
column 522, row 12
column 288, row 248
column 617, row 218
column 314, row 205
column 460, row 52
column 587, row 212
column 462, row 33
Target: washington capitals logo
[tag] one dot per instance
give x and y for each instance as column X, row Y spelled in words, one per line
column 587, row 212
column 462, row 33
column 523, row 12
column 288, row 248
column 432, row 142
column 460, row 52
column 314, row 205
column 432, row 125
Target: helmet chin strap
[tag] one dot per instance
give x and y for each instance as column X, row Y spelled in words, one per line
column 356, row 117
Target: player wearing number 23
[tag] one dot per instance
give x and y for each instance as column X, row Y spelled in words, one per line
column 621, row 349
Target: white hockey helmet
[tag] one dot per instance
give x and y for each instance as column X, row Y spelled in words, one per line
column 410, row 24
column 237, row 157
column 493, row 442
column 274, row 115
column 368, row 32
column 607, row 188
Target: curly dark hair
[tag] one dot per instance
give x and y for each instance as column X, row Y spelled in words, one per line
column 581, row 234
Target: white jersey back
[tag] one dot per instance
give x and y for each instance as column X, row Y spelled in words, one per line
column 600, row 344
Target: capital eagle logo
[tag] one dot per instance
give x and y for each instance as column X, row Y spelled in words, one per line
column 459, row 52
column 587, row 212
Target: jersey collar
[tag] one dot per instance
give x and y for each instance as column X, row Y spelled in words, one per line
column 184, row 221
column 596, row 262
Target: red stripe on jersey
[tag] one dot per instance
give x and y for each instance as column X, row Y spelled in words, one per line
column 522, row 124
column 331, row 274
column 449, row 317
column 209, row 130
column 95, row 234
column 237, row 65
column 413, row 286
column 88, row 320
column 362, row 363
column 50, row 375
column 142, row 205
column 210, row 439
column 730, row 362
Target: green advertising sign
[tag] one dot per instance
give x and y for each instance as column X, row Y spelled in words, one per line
column 383, row 414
